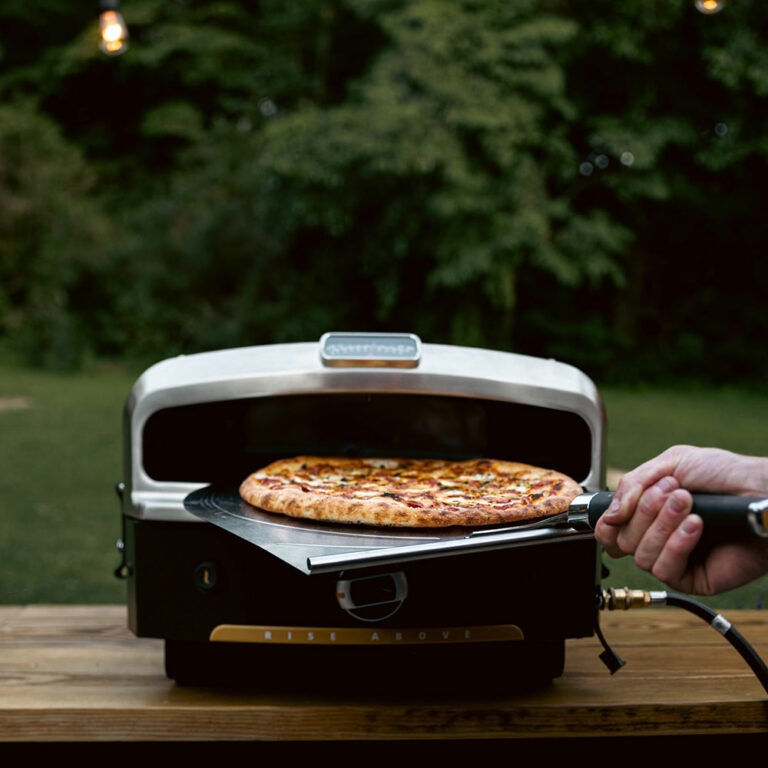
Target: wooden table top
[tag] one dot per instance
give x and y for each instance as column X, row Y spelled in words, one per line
column 76, row 674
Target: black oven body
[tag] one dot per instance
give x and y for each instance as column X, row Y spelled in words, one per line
column 187, row 578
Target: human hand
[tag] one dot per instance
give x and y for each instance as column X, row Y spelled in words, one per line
column 650, row 518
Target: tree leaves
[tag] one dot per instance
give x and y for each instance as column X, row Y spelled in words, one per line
column 273, row 171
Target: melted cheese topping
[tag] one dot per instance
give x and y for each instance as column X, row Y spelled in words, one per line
column 415, row 483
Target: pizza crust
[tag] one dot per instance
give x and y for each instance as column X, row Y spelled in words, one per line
column 411, row 493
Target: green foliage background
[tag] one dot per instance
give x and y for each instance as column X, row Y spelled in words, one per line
column 577, row 180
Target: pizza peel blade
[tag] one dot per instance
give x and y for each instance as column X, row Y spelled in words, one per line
column 322, row 547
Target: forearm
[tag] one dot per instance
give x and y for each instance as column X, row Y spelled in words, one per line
column 756, row 476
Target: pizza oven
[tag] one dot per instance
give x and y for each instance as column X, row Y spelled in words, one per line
column 277, row 602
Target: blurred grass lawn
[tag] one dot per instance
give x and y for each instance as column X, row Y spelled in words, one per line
column 60, row 458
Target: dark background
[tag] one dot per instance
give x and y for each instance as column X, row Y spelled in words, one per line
column 577, row 180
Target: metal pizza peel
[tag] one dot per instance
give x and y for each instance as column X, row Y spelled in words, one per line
column 313, row 547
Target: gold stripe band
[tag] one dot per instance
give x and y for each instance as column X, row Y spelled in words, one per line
column 244, row 633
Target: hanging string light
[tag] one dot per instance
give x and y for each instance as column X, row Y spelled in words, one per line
column 113, row 33
column 709, row 6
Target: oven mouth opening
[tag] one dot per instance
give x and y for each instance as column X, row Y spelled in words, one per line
column 222, row 442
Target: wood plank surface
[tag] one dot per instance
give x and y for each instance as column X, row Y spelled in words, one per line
column 77, row 674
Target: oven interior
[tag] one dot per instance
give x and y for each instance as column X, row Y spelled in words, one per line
column 223, row 441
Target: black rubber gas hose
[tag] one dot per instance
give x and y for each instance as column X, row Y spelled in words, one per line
column 726, row 629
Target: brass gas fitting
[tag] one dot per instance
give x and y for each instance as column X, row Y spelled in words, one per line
column 624, row 598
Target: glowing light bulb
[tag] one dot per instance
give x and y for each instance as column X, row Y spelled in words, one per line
column 113, row 33
column 709, row 6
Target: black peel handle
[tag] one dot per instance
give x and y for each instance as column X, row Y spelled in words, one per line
column 725, row 517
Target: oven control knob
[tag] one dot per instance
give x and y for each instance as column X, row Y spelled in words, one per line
column 206, row 576
column 372, row 598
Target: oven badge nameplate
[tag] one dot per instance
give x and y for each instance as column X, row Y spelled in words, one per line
column 370, row 350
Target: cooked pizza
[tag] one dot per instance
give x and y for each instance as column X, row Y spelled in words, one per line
column 412, row 493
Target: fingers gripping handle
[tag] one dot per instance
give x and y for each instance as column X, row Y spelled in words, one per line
column 725, row 517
